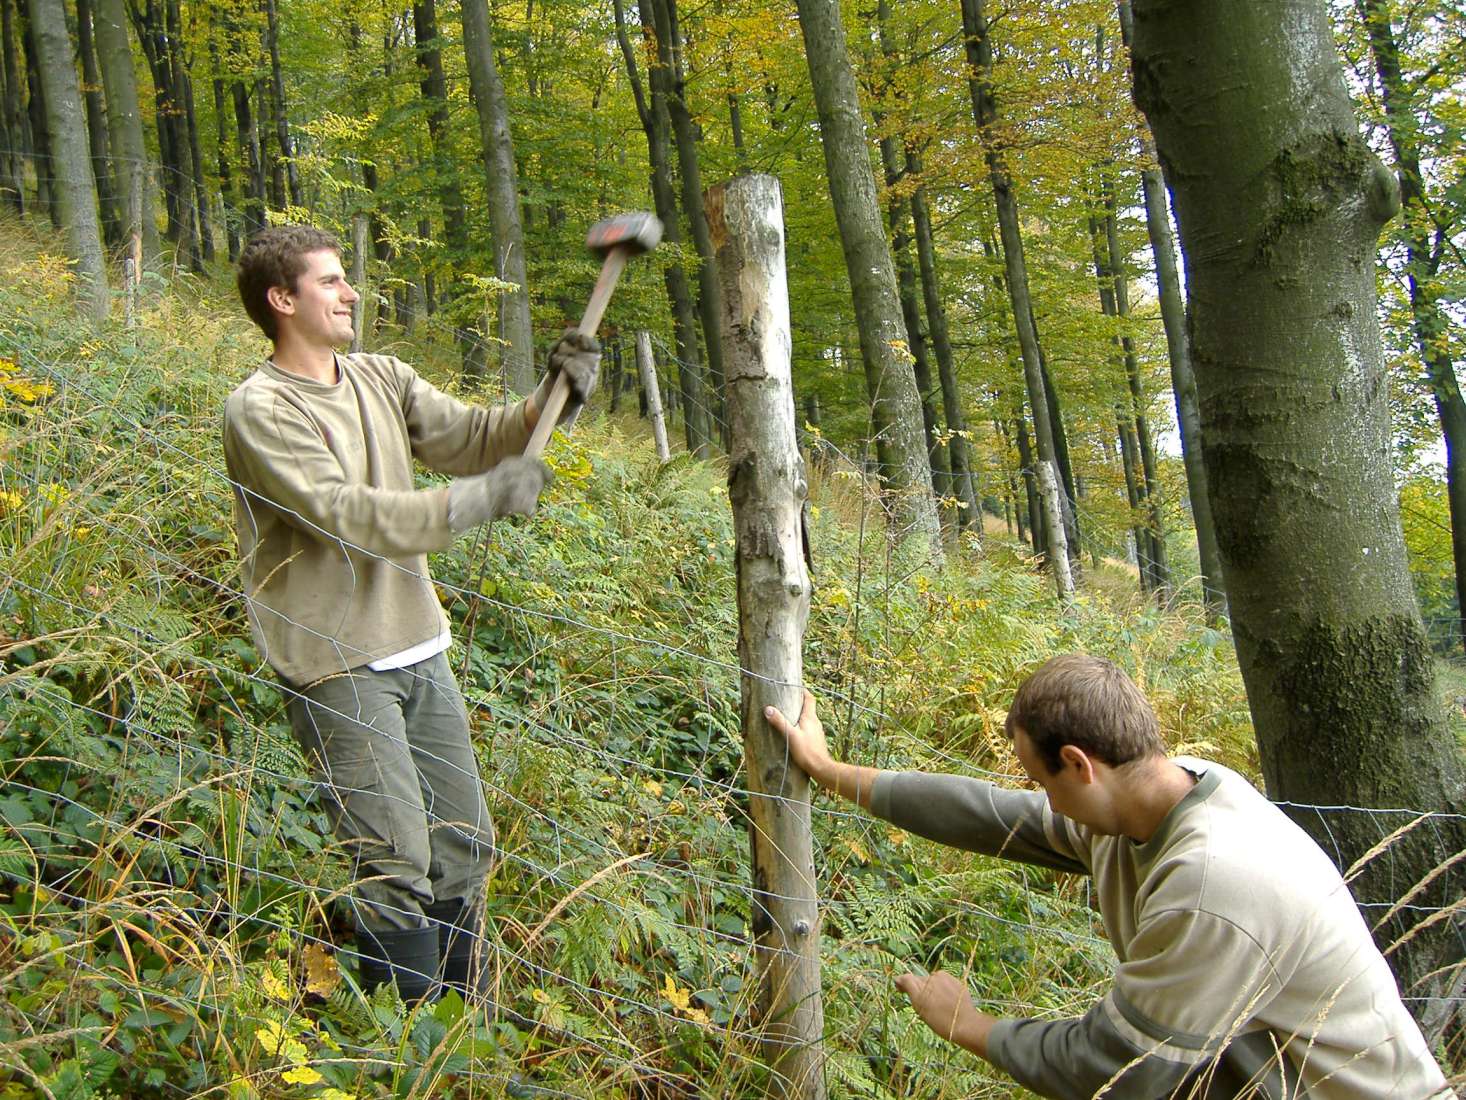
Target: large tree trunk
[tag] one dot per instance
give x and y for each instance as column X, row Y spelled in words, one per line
column 656, row 123
column 709, row 293
column 964, row 481
column 12, row 157
column 890, row 386
column 984, row 110
column 97, row 127
column 72, row 192
column 768, row 490
column 125, row 127
column 1280, row 204
column 1422, row 269
column 434, row 87
column 515, row 329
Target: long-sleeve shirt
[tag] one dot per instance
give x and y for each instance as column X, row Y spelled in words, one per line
column 333, row 535
column 1245, row 968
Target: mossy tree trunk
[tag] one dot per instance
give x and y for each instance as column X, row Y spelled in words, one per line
column 1280, row 203
column 905, row 469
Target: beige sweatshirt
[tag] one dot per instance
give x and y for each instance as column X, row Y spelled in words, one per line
column 333, row 534
column 1235, row 935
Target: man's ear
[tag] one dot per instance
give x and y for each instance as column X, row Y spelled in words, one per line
column 281, row 299
column 1072, row 756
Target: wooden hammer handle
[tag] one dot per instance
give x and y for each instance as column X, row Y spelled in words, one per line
column 560, row 392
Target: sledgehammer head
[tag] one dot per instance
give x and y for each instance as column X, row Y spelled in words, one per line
column 637, row 232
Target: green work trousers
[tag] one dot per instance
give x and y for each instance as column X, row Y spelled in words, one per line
column 392, row 754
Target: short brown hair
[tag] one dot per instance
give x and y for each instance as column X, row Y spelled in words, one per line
column 1087, row 702
column 276, row 257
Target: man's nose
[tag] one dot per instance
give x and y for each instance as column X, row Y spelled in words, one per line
column 348, row 292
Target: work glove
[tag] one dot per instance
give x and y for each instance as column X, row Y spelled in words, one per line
column 512, row 488
column 579, row 358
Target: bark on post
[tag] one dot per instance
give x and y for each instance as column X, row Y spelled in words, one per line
column 768, row 490
column 1280, row 203
column 71, row 190
column 647, row 368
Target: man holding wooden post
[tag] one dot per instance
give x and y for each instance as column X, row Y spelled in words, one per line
column 333, row 538
column 1245, row 968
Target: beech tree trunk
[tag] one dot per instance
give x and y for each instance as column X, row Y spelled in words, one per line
column 256, row 191
column 189, row 128
column 12, row 157
column 768, row 490
column 656, row 122
column 1280, row 204
column 40, row 128
column 279, row 104
column 125, row 128
column 515, row 329
column 1422, row 269
column 709, row 294
column 434, row 85
column 72, row 191
column 964, row 481
column 980, row 59
column 895, row 404
column 97, row 148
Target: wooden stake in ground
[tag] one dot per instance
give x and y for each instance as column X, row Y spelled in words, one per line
column 768, row 489
column 648, row 371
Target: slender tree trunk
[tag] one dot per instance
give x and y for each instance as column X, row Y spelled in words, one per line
column 769, row 490
column 152, row 36
column 964, row 481
column 193, row 195
column 657, row 125
column 40, row 128
column 1422, row 270
column 1144, row 553
column 97, row 127
column 434, row 87
column 1155, row 512
column 898, row 212
column 125, row 128
column 984, row 110
column 279, row 103
column 1050, row 493
column 1069, row 496
column 256, row 194
column 515, row 329
column 1257, row 133
column 73, row 192
column 233, row 201
column 12, row 189
column 890, row 386
column 709, row 294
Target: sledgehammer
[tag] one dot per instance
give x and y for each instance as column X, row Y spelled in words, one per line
column 617, row 239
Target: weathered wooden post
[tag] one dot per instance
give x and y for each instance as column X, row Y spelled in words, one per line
column 648, row 371
column 767, row 487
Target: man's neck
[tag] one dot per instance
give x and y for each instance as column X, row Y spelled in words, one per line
column 1155, row 788
column 317, row 364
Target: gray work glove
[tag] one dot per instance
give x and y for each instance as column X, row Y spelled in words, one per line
column 579, row 357
column 512, row 488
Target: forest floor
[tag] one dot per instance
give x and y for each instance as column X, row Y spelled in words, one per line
column 167, row 882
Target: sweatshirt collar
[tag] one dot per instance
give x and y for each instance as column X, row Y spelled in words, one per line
column 282, row 375
column 1206, row 783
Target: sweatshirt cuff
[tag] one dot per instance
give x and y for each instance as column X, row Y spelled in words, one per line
column 998, row 1039
column 880, row 795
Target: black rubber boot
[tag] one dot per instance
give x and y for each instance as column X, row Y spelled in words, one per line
column 459, row 950
column 410, row 958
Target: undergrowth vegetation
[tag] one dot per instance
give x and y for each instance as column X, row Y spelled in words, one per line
column 169, row 923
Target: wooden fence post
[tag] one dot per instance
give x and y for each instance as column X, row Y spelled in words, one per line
column 767, row 487
column 648, row 370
